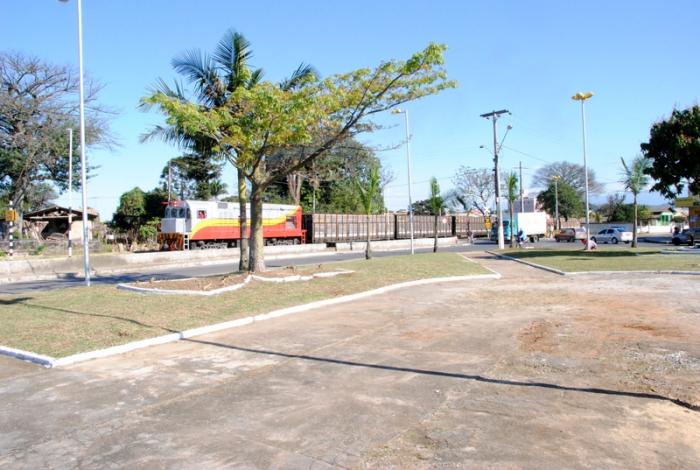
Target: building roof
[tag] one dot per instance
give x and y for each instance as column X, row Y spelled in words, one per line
column 58, row 212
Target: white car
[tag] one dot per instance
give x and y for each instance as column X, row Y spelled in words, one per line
column 612, row 235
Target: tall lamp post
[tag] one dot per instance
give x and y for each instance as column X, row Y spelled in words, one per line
column 83, row 169
column 582, row 97
column 557, row 224
column 410, row 182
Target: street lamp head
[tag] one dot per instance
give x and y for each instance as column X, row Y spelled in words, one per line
column 396, row 111
column 582, row 96
column 482, row 146
column 510, row 126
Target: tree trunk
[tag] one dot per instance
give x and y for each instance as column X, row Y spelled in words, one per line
column 257, row 241
column 510, row 224
column 368, row 248
column 634, row 224
column 244, row 261
column 294, row 182
column 435, row 227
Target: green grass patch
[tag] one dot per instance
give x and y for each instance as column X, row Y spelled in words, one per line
column 68, row 321
column 608, row 259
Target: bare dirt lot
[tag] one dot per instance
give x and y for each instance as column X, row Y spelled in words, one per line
column 531, row 371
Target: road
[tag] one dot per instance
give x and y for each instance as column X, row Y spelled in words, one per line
column 176, row 272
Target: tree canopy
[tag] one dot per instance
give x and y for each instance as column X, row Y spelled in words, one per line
column 674, row 151
column 474, row 188
column 570, row 202
column 305, row 120
column 194, row 177
column 571, row 174
column 38, row 103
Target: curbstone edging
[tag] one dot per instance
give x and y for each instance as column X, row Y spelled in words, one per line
column 50, row 362
column 528, row 263
column 146, row 290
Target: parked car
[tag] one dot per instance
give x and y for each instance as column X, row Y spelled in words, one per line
column 612, row 235
column 687, row 237
column 570, row 234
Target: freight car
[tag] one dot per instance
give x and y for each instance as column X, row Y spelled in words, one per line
column 341, row 228
column 192, row 224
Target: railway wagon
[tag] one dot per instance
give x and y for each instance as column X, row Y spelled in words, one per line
column 339, row 228
column 191, row 224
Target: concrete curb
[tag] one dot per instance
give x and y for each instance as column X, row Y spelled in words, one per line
column 528, row 263
column 48, row 361
column 146, row 290
column 580, row 273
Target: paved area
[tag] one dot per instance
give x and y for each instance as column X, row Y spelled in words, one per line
column 532, row 371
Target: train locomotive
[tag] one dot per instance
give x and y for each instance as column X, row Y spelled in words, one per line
column 190, row 224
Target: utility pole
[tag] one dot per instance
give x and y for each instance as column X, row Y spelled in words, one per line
column 522, row 201
column 70, row 192
column 493, row 116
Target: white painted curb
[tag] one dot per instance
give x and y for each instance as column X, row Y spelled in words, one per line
column 578, row 273
column 528, row 263
column 176, row 336
column 146, row 290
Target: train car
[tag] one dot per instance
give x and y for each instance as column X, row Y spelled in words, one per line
column 192, row 224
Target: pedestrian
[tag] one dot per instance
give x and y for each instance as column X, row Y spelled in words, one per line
column 521, row 238
column 592, row 245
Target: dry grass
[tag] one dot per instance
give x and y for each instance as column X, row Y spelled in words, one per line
column 68, row 321
column 609, row 259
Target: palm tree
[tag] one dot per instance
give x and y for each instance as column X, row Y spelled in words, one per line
column 368, row 191
column 635, row 179
column 512, row 190
column 436, row 205
column 214, row 78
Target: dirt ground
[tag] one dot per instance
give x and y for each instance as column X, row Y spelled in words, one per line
column 534, row 370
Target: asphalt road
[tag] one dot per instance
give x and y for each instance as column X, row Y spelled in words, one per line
column 212, row 270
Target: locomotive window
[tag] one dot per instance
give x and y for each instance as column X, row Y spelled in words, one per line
column 168, row 212
column 201, row 214
column 291, row 221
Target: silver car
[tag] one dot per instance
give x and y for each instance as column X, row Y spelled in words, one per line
column 612, row 235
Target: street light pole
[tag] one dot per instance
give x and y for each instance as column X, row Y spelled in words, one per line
column 493, row 116
column 582, row 97
column 410, row 182
column 70, row 192
column 557, row 225
column 83, row 168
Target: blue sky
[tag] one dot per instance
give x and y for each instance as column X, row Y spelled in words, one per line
column 638, row 57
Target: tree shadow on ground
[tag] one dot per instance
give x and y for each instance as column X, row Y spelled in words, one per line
column 22, row 301
column 16, row 300
column 455, row 375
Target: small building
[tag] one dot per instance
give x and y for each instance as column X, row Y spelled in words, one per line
column 52, row 223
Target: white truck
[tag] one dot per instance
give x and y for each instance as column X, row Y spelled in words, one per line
column 533, row 225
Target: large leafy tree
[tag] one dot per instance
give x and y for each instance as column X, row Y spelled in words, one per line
column 570, row 202
column 38, row 103
column 309, row 118
column 474, row 188
column 635, row 180
column 214, row 78
column 674, row 151
column 571, row 174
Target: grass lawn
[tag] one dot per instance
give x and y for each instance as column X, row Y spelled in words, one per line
column 608, row 259
column 64, row 322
